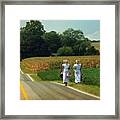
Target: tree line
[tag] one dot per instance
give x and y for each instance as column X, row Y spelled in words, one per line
column 35, row 42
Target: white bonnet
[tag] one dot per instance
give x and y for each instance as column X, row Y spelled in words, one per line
column 65, row 60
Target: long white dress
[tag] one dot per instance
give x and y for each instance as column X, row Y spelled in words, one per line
column 77, row 68
column 65, row 72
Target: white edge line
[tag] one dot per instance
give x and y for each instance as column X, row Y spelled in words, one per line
column 27, row 75
column 30, row 77
column 79, row 90
column 67, row 86
column 21, row 71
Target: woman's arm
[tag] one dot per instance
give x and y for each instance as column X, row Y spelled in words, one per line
column 61, row 68
column 74, row 67
column 81, row 69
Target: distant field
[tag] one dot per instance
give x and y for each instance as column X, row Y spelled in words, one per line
column 96, row 45
column 36, row 64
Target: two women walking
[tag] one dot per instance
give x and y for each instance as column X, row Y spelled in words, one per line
column 65, row 71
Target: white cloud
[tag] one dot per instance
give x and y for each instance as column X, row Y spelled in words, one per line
column 94, row 36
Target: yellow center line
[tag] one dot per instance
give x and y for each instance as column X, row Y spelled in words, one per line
column 24, row 93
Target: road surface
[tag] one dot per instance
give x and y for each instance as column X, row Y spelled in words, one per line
column 43, row 90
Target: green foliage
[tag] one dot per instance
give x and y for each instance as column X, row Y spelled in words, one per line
column 92, row 51
column 53, row 40
column 65, row 51
column 91, row 76
column 35, row 77
column 35, row 42
column 71, row 36
column 33, row 27
column 81, row 47
column 31, row 41
column 51, row 74
column 77, row 41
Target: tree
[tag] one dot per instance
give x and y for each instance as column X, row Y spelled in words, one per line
column 35, row 42
column 65, row 51
column 53, row 40
column 81, row 47
column 71, row 36
column 31, row 42
column 92, row 51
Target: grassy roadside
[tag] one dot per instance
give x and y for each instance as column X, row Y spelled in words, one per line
column 91, row 76
column 35, row 77
column 92, row 89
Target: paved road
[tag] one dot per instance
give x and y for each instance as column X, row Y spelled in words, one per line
column 33, row 90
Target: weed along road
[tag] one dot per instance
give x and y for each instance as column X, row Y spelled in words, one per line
column 44, row 90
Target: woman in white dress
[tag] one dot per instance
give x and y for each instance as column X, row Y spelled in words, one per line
column 77, row 70
column 65, row 69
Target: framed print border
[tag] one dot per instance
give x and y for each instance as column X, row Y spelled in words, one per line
column 55, row 2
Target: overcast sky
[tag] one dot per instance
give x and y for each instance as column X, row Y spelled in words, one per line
column 90, row 28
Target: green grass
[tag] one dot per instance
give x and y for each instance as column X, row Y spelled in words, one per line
column 92, row 89
column 35, row 77
column 91, row 76
column 51, row 75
